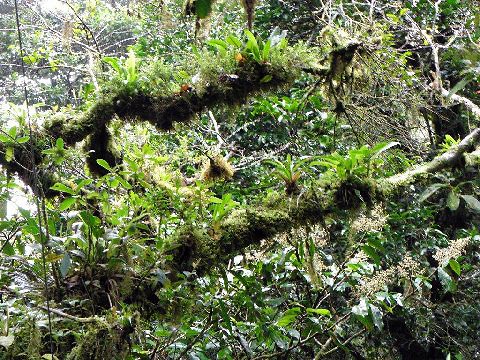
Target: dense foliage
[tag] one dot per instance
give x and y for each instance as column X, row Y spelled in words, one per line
column 240, row 179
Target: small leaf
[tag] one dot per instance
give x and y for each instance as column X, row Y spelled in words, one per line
column 65, row 264
column 324, row 312
column 22, row 139
column 9, row 153
column 59, row 143
column 63, row 188
column 472, row 202
column 455, row 266
column 67, row 203
column 430, row 191
column 453, row 201
column 267, row 78
column 104, row 164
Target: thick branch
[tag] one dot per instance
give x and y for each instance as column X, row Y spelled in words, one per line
column 448, row 159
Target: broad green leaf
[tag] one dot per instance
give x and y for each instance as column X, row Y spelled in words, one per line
column 455, row 266
column 8, row 249
column 52, row 257
column 114, row 63
column 286, row 320
column 22, row 139
column 266, row 50
column 218, row 43
column 5, row 138
column 104, row 164
column 89, row 219
column 472, row 202
column 453, row 201
column 131, row 65
column 67, row 203
column 59, row 143
column 376, row 316
column 324, row 312
column 446, row 280
column 251, row 38
column 65, row 264
column 124, row 183
column 460, row 85
column 225, row 317
column 370, row 251
column 233, row 40
column 63, row 188
column 289, row 316
column 382, row 147
column 430, row 191
column 376, row 244
column 13, row 132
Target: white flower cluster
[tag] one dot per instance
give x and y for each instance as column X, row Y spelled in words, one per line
column 454, row 250
column 405, row 269
column 371, row 222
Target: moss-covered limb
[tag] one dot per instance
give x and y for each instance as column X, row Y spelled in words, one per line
column 475, row 109
column 450, row 158
column 162, row 110
column 193, row 248
column 25, row 159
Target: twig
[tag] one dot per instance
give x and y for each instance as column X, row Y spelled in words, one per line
column 90, row 319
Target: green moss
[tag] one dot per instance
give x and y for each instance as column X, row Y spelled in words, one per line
column 354, row 192
column 101, row 341
column 245, row 227
column 191, row 248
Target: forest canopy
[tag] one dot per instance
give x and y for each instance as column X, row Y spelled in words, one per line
column 201, row 179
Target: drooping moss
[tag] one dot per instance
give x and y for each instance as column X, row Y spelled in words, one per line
column 217, row 168
column 99, row 146
column 26, row 160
